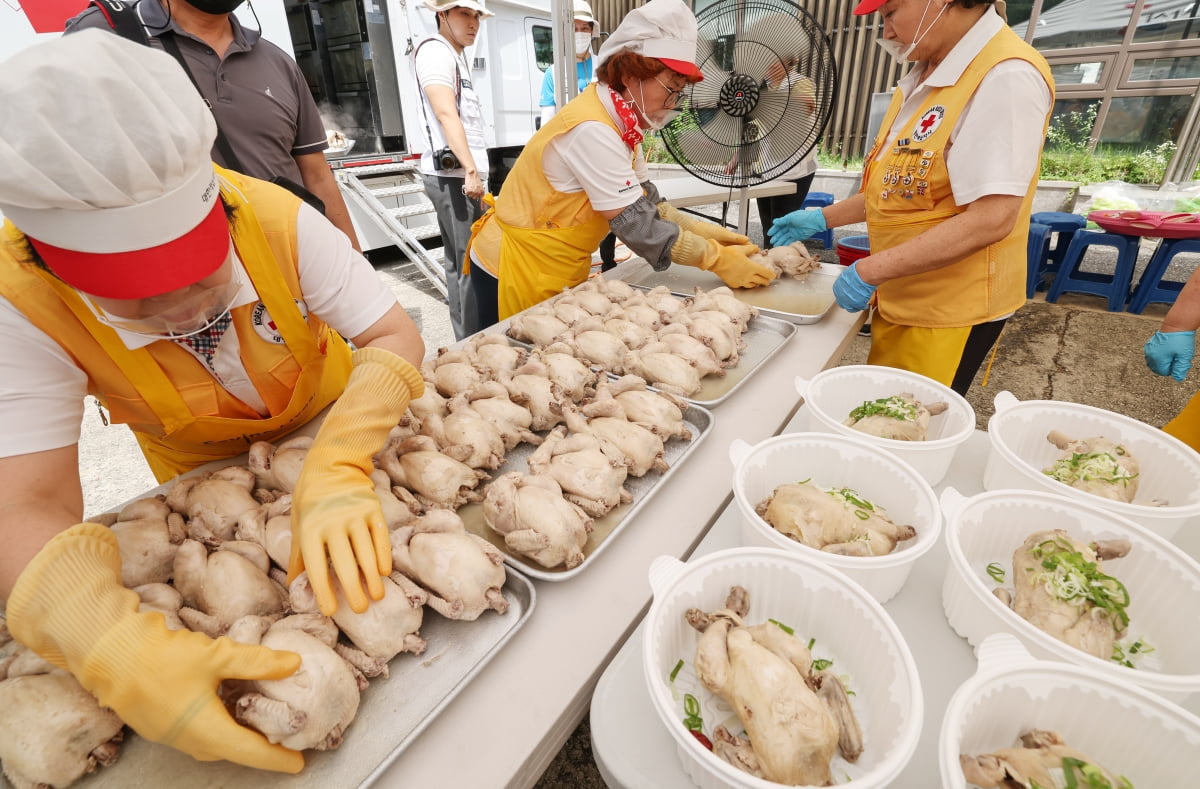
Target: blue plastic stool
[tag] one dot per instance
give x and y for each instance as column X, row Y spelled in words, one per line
column 820, row 200
column 1065, row 225
column 1152, row 286
column 1037, row 247
column 1115, row 288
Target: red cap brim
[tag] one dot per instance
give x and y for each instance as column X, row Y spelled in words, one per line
column 683, row 67
column 868, row 7
column 144, row 273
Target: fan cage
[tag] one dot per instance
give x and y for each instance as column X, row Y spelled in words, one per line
column 741, row 125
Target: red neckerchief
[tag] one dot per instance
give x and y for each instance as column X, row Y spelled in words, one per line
column 632, row 134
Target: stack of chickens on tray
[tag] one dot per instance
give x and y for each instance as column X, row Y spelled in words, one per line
column 768, row 677
column 211, row 553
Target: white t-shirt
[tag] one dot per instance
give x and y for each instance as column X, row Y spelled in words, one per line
column 995, row 145
column 42, row 391
column 593, row 158
column 437, row 63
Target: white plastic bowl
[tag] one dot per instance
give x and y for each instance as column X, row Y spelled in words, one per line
column 818, row 602
column 1163, row 584
column 1169, row 468
column 1128, row 731
column 832, row 394
column 837, row 461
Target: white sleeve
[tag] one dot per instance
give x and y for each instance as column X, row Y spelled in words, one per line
column 41, row 390
column 997, row 144
column 434, row 64
column 339, row 285
column 592, row 158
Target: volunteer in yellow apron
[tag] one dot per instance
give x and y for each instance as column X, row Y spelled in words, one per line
column 176, row 293
column 1170, row 352
column 582, row 174
column 945, row 194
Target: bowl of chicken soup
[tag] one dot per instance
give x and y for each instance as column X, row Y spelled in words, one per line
column 1022, row 716
column 913, row 417
column 839, row 500
column 1074, row 583
column 769, row 668
column 1096, row 457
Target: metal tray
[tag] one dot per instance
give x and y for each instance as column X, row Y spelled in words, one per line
column 604, row 530
column 394, row 710
column 798, row 301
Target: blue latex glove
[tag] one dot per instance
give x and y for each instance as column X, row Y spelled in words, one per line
column 1170, row 353
column 796, row 226
column 852, row 294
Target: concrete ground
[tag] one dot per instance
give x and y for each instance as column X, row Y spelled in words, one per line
column 1072, row 351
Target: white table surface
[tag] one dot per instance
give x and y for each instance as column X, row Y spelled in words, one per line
column 634, row 751
column 506, row 726
column 687, row 191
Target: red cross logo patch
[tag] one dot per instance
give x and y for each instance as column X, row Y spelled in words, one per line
column 928, row 123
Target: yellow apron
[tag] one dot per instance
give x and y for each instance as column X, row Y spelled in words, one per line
column 181, row 416
column 537, row 239
column 908, row 191
column 1186, row 424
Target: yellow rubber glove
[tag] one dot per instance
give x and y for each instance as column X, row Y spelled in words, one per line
column 335, row 514
column 729, row 263
column 706, row 230
column 69, row 606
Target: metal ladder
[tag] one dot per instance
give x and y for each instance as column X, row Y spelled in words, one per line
column 393, row 196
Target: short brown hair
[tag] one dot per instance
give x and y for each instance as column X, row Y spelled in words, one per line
column 627, row 65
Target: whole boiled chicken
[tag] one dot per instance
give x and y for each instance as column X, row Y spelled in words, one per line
column 463, row 574
column 900, row 417
column 1043, row 760
column 795, row 719
column 838, row 520
column 536, row 520
column 588, row 476
column 1096, row 465
column 1062, row 589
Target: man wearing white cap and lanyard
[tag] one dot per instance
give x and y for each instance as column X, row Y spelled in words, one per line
column 583, row 174
column 455, row 166
column 204, row 309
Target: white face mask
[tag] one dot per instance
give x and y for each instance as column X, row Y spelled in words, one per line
column 900, row 51
column 583, row 42
column 656, row 120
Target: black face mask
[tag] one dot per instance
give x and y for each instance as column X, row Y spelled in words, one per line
column 215, row 6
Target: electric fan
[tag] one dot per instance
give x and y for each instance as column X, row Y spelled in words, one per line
column 767, row 93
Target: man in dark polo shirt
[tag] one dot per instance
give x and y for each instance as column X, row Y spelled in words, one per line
column 257, row 93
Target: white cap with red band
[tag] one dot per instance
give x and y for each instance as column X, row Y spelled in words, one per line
column 663, row 29
column 105, row 164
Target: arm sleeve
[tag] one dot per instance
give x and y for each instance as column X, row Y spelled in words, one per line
column 1005, row 117
column 647, row 234
column 310, row 128
column 41, row 388
column 434, row 65
column 339, row 285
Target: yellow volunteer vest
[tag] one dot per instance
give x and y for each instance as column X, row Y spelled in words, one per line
column 541, row 240
column 181, row 416
column 908, row 191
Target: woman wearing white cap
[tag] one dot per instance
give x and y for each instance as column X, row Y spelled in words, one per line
column 583, row 174
column 947, row 188
column 204, row 309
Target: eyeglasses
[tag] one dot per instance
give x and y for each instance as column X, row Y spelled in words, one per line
column 673, row 96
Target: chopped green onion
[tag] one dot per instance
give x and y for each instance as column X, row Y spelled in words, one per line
column 1090, row 466
column 996, row 572
column 811, row 641
column 821, row 664
column 861, row 515
column 804, row 481
column 894, row 407
column 693, row 723
column 1070, row 576
column 782, row 627
column 675, row 671
column 691, row 705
